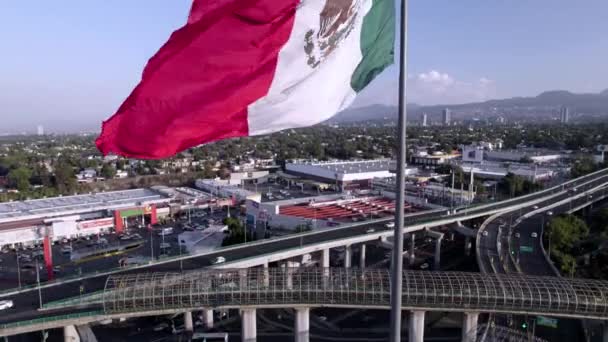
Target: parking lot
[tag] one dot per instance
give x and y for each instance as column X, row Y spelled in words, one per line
column 19, row 267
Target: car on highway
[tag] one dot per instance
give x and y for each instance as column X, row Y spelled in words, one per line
column 218, row 260
column 534, row 235
column 6, row 304
column 165, row 231
column 535, row 207
column 517, row 235
column 390, row 225
column 370, row 230
column 485, row 233
column 424, row 266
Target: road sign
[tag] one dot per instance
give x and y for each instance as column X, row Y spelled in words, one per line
column 547, row 321
column 526, row 249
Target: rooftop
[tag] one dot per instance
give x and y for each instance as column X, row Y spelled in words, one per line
column 352, row 166
column 94, row 201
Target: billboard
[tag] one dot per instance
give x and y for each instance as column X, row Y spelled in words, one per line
column 101, row 223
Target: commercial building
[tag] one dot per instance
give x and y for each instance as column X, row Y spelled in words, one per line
column 489, row 170
column 29, row 222
column 227, row 189
column 534, row 155
column 447, row 116
column 321, row 211
column 346, row 175
column 435, row 159
column 564, row 115
column 424, row 120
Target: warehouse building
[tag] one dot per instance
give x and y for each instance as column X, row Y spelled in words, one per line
column 345, row 175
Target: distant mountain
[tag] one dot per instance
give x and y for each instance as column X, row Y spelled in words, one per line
column 581, row 102
column 368, row 113
column 549, row 100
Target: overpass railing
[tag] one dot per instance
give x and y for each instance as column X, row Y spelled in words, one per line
column 439, row 291
column 50, row 319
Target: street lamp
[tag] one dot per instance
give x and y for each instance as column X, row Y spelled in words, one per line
column 549, row 214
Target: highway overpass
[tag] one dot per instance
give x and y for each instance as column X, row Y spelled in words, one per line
column 150, row 294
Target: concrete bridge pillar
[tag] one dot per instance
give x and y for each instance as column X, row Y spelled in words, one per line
column 302, row 322
column 188, row 326
column 416, row 326
column 412, row 247
column 266, row 275
column 243, row 279
column 208, row 318
column 325, row 265
column 467, row 246
column 248, row 325
column 362, row 257
column 347, row 256
column 70, row 334
column 86, row 333
column 438, row 252
column 469, row 326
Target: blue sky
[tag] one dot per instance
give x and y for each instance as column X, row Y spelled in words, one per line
column 69, row 64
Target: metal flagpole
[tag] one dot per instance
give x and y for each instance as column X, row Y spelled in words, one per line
column 397, row 264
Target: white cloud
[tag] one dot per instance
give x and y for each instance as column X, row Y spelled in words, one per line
column 435, row 87
column 427, row 88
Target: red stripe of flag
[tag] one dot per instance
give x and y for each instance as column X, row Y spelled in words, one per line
column 197, row 87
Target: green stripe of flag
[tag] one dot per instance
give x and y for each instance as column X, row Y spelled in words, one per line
column 377, row 43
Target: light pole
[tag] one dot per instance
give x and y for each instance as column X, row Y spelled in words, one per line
column 549, row 213
column 38, row 282
column 18, row 268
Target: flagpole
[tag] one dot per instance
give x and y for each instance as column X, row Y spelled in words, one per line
column 397, row 264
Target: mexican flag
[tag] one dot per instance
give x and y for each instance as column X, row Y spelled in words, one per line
column 250, row 67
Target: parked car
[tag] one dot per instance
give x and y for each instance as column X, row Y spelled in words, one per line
column 534, row 235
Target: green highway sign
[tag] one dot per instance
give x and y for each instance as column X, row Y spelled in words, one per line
column 546, row 321
column 526, row 249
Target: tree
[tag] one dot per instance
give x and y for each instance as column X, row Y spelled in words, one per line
column 19, row 178
column 582, row 166
column 108, row 171
column 599, row 220
column 236, row 232
column 65, row 180
column 512, row 185
column 565, row 231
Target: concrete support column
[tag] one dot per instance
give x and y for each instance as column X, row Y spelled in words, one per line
column 362, row 257
column 302, row 322
column 469, row 326
column 70, row 334
column 287, row 273
column 438, row 252
column 605, row 332
column 467, row 246
column 266, row 275
column 347, row 256
column 188, row 326
column 243, row 279
column 208, row 318
column 248, row 325
column 325, row 265
column 416, row 326
column 412, row 246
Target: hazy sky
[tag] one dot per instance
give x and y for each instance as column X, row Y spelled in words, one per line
column 68, row 64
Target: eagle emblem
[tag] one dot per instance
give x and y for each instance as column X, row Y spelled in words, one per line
column 336, row 22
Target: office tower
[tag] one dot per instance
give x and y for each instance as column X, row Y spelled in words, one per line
column 424, row 118
column 447, row 116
